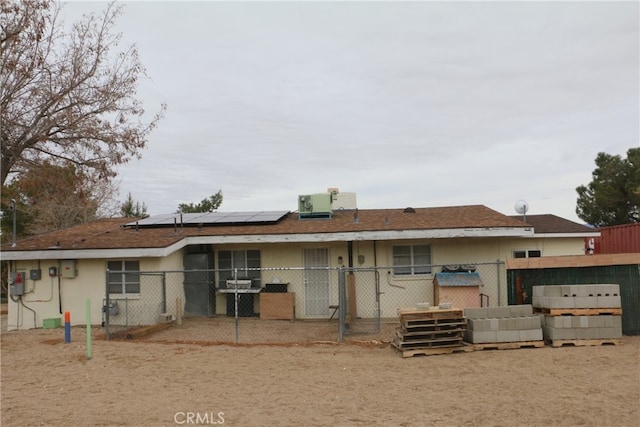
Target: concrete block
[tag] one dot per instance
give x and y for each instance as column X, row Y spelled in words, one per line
column 560, row 302
column 586, row 302
column 586, row 333
column 612, row 321
column 538, row 291
column 494, row 324
column 543, row 318
column 476, row 313
column 508, row 336
column 559, row 333
column 604, row 333
column 478, row 337
column 520, row 310
column 553, row 291
column 499, row 312
column 530, row 334
column 609, row 302
column 567, row 291
column 534, row 322
column 508, row 324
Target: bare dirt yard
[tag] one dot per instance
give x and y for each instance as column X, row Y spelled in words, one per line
column 165, row 381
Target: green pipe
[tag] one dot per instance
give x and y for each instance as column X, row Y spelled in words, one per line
column 88, row 328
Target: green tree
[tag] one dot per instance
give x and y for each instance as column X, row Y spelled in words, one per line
column 210, row 204
column 68, row 96
column 50, row 196
column 612, row 197
column 133, row 209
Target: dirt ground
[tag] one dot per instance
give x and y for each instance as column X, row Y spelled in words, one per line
column 160, row 382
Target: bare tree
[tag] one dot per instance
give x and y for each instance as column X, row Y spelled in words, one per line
column 64, row 95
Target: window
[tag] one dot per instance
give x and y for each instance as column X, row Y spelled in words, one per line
column 533, row 253
column 124, row 277
column 410, row 260
column 243, row 260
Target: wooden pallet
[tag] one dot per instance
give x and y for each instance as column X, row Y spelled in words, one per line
column 411, row 314
column 433, row 350
column 508, row 345
column 580, row 343
column 578, row 311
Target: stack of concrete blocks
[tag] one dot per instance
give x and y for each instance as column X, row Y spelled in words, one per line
column 511, row 324
column 579, row 312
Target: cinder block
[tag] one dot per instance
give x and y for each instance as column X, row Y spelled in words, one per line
column 605, row 333
column 553, row 291
column 478, row 337
column 554, row 321
column 531, row 334
column 586, row 302
column 476, row 313
column 560, row 302
column 559, row 333
column 508, row 336
column 494, row 324
column 499, row 312
column 508, row 324
column 538, row 291
column 612, row 321
column 567, row 291
column 534, row 322
column 609, row 302
column 520, row 310
column 586, row 333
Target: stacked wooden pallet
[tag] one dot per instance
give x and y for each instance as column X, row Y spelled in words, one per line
column 579, row 315
column 429, row 332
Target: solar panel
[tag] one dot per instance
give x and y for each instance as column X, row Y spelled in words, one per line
column 210, row 218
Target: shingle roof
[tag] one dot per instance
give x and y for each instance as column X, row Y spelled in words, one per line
column 550, row 224
column 112, row 234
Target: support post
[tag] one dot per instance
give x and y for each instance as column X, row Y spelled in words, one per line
column 88, row 329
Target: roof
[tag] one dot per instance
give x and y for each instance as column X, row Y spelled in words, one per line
column 363, row 224
column 552, row 224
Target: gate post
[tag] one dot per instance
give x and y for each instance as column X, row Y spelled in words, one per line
column 342, row 302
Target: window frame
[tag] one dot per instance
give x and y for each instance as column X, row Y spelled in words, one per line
column 247, row 261
column 129, row 277
column 413, row 264
column 526, row 253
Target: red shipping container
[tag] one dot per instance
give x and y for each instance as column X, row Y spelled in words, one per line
column 618, row 239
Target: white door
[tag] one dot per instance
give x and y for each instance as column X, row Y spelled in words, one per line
column 316, row 282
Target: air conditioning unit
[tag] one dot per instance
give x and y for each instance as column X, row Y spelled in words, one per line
column 315, row 205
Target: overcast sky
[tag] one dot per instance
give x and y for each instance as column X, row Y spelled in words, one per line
column 403, row 103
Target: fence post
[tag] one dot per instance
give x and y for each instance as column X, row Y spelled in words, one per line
column 342, row 302
column 105, row 308
column 499, row 284
column 164, row 291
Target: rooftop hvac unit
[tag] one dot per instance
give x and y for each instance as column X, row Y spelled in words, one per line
column 315, row 205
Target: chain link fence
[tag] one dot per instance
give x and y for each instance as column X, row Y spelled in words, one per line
column 287, row 305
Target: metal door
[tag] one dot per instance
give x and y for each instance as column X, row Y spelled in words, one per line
column 316, row 282
column 198, row 285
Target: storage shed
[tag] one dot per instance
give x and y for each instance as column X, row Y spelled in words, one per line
column 462, row 289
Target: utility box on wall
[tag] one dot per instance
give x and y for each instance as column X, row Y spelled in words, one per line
column 68, row 268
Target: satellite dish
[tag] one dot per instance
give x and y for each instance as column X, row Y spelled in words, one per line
column 522, row 207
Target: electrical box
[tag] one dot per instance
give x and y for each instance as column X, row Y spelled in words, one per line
column 17, row 285
column 35, row 274
column 68, row 268
column 53, row 272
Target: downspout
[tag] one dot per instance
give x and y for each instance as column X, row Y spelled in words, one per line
column 59, row 287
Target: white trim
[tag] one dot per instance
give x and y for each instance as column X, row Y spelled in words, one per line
column 565, row 235
column 267, row 238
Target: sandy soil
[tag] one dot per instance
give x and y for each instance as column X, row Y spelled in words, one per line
column 156, row 382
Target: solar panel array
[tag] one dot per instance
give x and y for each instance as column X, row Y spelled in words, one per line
column 211, row 218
